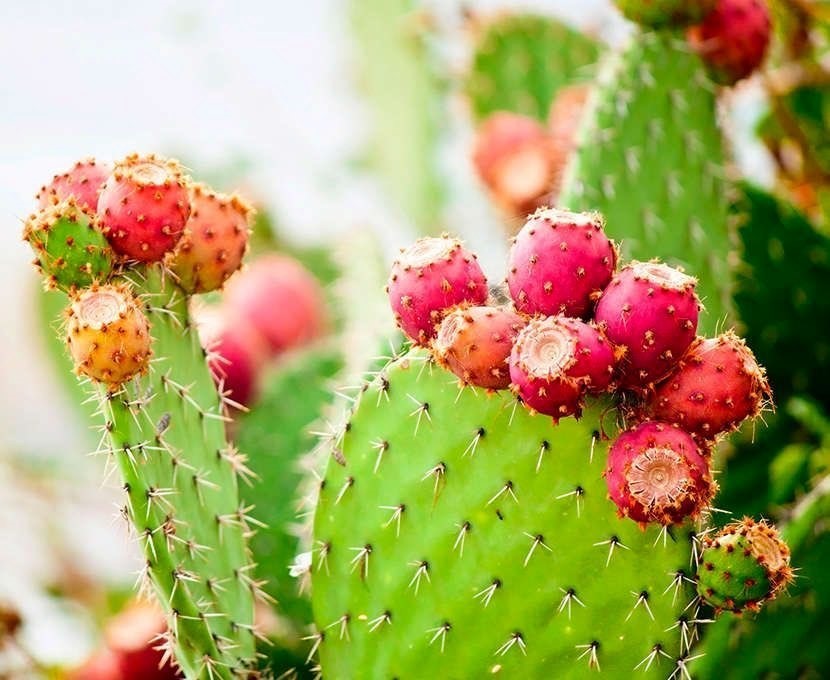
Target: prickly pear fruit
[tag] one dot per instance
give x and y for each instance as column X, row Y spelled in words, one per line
column 563, row 122
column 555, row 360
column 657, row 473
column 280, row 299
column 743, row 565
column 475, row 343
column 83, row 182
column 512, row 156
column 657, row 13
column 214, row 242
column 652, row 310
column 134, row 637
column 733, row 38
column 70, row 249
column 559, row 263
column 108, row 334
column 143, row 207
column 428, row 278
column 716, row 386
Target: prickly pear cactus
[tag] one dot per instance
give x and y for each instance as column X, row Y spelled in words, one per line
column 460, row 536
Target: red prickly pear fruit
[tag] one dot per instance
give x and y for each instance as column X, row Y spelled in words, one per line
column 559, row 263
column 716, row 386
column 102, row 665
column 144, row 206
column 564, row 117
column 512, row 157
column 475, row 344
column 659, row 13
column 235, row 353
column 650, row 310
column 554, row 363
column 657, row 473
column 280, row 299
column 733, row 39
column 134, row 635
column 214, row 242
column 82, row 182
column 428, row 278
column 108, row 334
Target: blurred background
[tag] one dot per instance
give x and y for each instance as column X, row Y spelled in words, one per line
column 274, row 99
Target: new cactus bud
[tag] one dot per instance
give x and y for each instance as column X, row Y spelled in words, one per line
column 652, row 310
column 428, row 278
column 717, row 385
column 658, row 13
column 475, row 343
column 743, row 566
column 144, row 206
column 733, row 38
column 214, row 242
column 559, row 263
column 71, row 252
column 657, row 473
column 83, row 182
column 108, row 334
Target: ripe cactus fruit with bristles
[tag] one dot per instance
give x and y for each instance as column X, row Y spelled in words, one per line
column 657, row 473
column 143, row 207
column 214, row 241
column 108, row 334
column 475, row 343
column 559, row 263
column 716, row 386
column 71, row 252
column 428, row 278
column 742, row 566
column 83, row 182
column 652, row 311
column 660, row 13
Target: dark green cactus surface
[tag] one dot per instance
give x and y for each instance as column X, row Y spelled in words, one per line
column 460, row 536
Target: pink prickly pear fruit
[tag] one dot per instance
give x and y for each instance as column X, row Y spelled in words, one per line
column 657, row 473
column 559, row 263
column 733, row 38
column 102, row 665
column 512, row 157
column 716, row 386
column 280, row 299
column 82, row 182
column 651, row 310
column 564, row 117
column 236, row 353
column 475, row 344
column 144, row 206
column 108, row 334
column 428, row 278
column 214, row 242
column 133, row 636
column 555, row 361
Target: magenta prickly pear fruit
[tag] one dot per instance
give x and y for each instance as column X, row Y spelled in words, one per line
column 280, row 299
column 658, row 13
column 428, row 278
column 108, row 334
column 651, row 310
column 733, row 38
column 214, row 242
column 657, row 473
column 555, row 361
column 743, row 565
column 475, row 344
column 559, row 263
column 83, row 182
column 717, row 385
column 144, row 206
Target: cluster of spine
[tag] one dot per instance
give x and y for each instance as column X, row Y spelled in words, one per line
column 130, row 244
column 577, row 327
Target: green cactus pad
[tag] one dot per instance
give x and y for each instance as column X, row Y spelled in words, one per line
column 520, row 61
column 71, row 252
column 462, row 536
column 656, row 13
column 650, row 158
column 166, row 433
